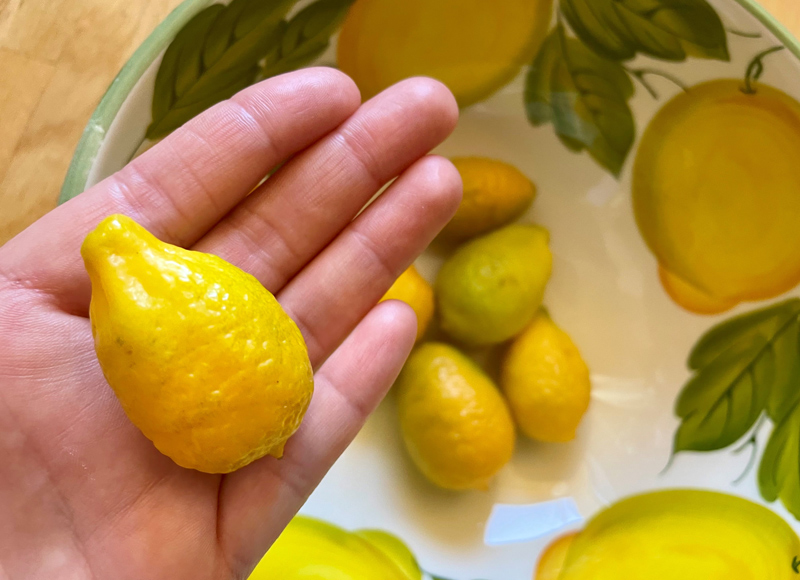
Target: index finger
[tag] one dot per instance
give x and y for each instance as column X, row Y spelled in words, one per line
column 188, row 182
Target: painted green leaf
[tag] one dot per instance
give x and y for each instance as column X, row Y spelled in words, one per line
column 743, row 366
column 765, row 322
column 785, row 391
column 779, row 472
column 306, row 36
column 723, row 400
column 213, row 57
column 181, row 64
column 584, row 96
column 666, row 29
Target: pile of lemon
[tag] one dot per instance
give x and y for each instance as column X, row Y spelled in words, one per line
column 457, row 424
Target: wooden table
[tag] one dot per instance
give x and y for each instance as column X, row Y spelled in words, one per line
column 55, row 64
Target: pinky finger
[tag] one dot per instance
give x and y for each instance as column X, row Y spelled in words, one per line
column 258, row 501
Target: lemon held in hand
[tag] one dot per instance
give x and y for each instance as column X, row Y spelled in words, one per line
column 546, row 382
column 492, row 286
column 715, row 193
column 202, row 357
column 455, row 423
column 415, row 291
column 495, row 193
column 472, row 46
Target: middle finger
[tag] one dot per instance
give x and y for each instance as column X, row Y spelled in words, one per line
column 277, row 230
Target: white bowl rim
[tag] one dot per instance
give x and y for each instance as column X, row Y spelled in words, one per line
column 92, row 139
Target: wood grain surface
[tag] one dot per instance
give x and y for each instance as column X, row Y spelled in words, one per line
column 56, row 59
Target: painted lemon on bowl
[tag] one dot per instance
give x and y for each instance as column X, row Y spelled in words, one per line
column 472, row 46
column 715, row 193
column 310, row 549
column 677, row 535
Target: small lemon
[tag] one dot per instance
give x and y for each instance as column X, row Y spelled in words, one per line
column 715, row 194
column 201, row 356
column 546, row 382
column 454, row 421
column 495, row 193
column 415, row 291
column 492, row 286
column 472, row 46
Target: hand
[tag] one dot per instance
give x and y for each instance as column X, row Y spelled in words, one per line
column 83, row 494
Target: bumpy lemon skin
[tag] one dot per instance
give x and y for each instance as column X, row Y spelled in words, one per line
column 202, row 358
column 546, row 382
column 495, row 193
column 455, row 424
column 415, row 291
column 714, row 186
column 473, row 46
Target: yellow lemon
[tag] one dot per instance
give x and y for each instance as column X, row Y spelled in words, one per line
column 394, row 549
column 472, row 46
column 715, row 193
column 495, row 193
column 679, row 535
column 455, row 424
column 415, row 291
column 546, row 382
column 202, row 357
column 310, row 549
column 492, row 286
column 551, row 562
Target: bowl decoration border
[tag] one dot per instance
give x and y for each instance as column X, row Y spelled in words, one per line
column 104, row 115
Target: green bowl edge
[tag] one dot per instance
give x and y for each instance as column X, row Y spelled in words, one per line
column 119, row 89
column 159, row 39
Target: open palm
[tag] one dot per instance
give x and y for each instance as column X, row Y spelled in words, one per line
column 83, row 494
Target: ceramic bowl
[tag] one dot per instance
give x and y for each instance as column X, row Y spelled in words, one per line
column 670, row 213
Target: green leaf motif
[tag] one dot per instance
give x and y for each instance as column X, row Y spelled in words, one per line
column 743, row 367
column 212, row 58
column 785, row 390
column 584, row 96
column 223, row 49
column 764, row 322
column 306, row 36
column 723, row 400
column 779, row 473
column 667, row 29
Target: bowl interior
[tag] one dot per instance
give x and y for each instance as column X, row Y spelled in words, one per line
column 605, row 291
